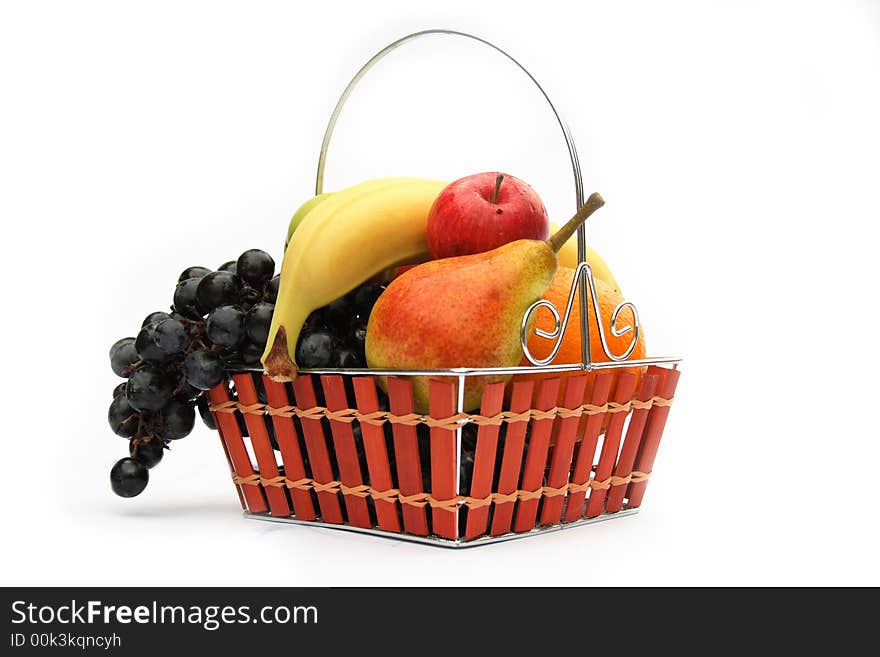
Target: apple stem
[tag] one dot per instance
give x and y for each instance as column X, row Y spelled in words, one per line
column 561, row 236
column 498, row 180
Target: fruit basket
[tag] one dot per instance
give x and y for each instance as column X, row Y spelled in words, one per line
column 544, row 447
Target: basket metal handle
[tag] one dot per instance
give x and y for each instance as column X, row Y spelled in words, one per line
column 328, row 133
column 566, row 133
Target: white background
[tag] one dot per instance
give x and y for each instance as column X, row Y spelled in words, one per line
column 736, row 144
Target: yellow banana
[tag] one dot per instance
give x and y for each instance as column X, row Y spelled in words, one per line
column 301, row 213
column 568, row 257
column 341, row 242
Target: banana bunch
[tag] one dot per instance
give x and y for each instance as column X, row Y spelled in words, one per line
column 337, row 243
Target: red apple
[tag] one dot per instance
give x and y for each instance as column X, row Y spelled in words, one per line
column 481, row 212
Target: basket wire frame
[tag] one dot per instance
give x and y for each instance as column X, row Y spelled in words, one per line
column 583, row 289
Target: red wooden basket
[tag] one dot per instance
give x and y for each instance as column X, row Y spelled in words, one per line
column 332, row 449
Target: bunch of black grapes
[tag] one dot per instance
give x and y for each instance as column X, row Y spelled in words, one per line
column 334, row 336
column 219, row 322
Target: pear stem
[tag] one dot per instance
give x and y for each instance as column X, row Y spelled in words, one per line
column 498, row 180
column 561, row 236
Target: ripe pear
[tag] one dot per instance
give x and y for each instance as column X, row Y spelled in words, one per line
column 464, row 311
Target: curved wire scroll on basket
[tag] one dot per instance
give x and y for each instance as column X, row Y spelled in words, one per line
column 583, row 275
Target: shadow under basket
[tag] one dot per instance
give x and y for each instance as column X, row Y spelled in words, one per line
column 336, row 451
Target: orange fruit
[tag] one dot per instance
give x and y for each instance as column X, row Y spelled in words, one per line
column 570, row 349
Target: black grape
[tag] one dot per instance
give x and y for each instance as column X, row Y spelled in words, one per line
column 315, row 350
column 257, row 322
column 339, row 316
column 160, row 340
column 193, row 272
column 146, row 346
column 271, row 294
column 186, row 392
column 123, row 419
column 255, row 267
column 219, row 288
column 128, row 478
column 122, row 356
column 466, row 470
column 178, row 419
column 152, row 318
column 251, row 353
column 172, row 336
column 146, row 452
column 149, row 388
column 364, row 298
column 359, row 337
column 185, row 298
column 204, row 410
column 469, row 437
column 225, row 326
column 203, row 369
column 347, row 358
